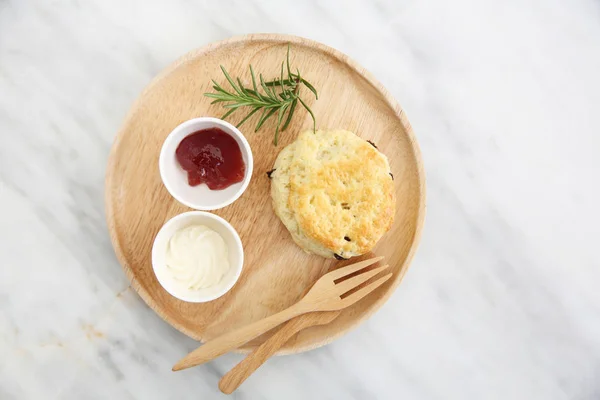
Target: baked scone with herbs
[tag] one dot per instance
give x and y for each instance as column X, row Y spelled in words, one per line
column 334, row 192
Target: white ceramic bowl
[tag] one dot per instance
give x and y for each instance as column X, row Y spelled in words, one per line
column 219, row 225
column 175, row 178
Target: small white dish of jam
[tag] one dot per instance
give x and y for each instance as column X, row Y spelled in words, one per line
column 206, row 163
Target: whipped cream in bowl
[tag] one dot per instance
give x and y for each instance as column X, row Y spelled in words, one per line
column 197, row 256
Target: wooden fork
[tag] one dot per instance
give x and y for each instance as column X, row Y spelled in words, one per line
column 325, row 295
column 238, row 374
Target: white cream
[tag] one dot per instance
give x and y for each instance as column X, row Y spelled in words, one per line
column 196, row 258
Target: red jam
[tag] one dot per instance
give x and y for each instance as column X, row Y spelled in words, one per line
column 213, row 157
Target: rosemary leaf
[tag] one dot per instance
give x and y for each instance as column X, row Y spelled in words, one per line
column 266, row 89
column 228, row 113
column 241, row 86
column 287, row 59
column 310, row 87
column 279, row 119
column 311, row 114
column 277, row 82
column 230, row 80
column 251, row 113
column 216, row 85
column 260, row 98
column 283, row 87
column 236, row 105
column 290, row 114
column 254, row 83
column 265, row 117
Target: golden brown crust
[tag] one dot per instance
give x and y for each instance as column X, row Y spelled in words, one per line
column 337, row 192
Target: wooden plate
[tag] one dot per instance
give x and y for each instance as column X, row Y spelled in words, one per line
column 276, row 271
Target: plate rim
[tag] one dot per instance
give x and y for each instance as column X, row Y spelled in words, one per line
column 268, row 37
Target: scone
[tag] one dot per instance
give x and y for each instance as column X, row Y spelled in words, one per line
column 334, row 192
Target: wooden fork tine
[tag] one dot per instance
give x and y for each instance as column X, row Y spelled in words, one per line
column 353, row 282
column 359, row 294
column 348, row 269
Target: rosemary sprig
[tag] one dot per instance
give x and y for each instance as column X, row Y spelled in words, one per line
column 279, row 96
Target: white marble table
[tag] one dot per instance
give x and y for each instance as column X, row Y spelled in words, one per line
column 502, row 300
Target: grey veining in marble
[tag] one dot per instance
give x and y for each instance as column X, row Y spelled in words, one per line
column 502, row 300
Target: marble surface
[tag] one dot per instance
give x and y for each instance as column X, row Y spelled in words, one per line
column 502, row 300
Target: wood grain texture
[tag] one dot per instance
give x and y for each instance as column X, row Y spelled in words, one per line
column 238, row 374
column 276, row 272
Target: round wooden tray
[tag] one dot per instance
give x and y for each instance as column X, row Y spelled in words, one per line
column 276, row 271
